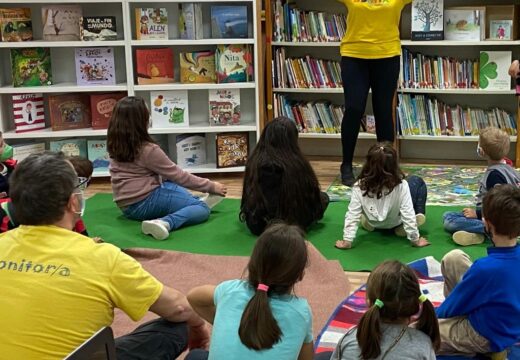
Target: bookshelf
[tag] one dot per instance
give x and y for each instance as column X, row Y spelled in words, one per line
column 64, row 80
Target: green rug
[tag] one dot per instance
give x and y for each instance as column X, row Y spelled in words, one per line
column 223, row 234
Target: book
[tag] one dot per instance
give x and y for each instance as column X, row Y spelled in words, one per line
column 427, row 20
column 61, row 22
column 190, row 21
column 151, row 23
column 191, row 149
column 198, row 67
column 95, row 66
column 232, row 149
column 29, row 112
column 229, row 21
column 101, row 107
column 21, row 151
column 97, row 153
column 224, row 107
column 97, row 28
column 31, row 67
column 69, row 111
column 500, row 29
column 70, row 147
column 464, row 24
column 169, row 108
column 154, row 66
column 493, row 74
column 16, row 24
column 234, row 63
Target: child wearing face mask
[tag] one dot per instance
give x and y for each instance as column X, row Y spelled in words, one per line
column 466, row 226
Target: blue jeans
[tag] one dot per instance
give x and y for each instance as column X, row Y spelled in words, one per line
column 171, row 203
column 456, row 221
column 418, row 192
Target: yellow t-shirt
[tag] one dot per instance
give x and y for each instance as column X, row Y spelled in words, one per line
column 372, row 28
column 58, row 287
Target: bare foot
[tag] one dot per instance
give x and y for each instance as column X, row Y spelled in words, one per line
column 343, row 244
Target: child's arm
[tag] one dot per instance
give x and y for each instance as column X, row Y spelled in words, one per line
column 408, row 215
column 201, row 300
column 355, row 209
column 307, row 351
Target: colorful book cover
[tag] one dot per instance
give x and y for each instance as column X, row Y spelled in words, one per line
column 229, row 22
column 70, row 147
column 97, row 153
column 500, row 29
column 101, row 107
column 169, row 108
column 21, row 151
column 151, row 23
column 234, row 63
column 154, row 66
column 198, row 67
column 31, row 67
column 464, row 24
column 427, row 20
column 70, row 111
column 224, row 107
column 16, row 24
column 191, row 149
column 494, row 66
column 190, row 21
column 232, row 149
column 28, row 112
column 95, row 66
column 60, row 22
column 98, row 28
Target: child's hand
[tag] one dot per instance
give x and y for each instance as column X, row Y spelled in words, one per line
column 514, row 69
column 198, row 337
column 98, row 240
column 470, row 213
column 343, row 244
column 220, row 189
column 421, row 242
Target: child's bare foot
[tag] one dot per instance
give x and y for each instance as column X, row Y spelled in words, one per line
column 343, row 244
column 421, row 242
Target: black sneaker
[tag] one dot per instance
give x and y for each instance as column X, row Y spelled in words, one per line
column 347, row 175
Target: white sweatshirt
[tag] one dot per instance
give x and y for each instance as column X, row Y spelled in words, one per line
column 389, row 211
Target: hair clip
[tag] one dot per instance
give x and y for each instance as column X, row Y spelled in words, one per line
column 379, row 303
column 423, row 298
column 262, row 287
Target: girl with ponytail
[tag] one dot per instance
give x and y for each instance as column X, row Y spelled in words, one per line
column 382, row 199
column 259, row 318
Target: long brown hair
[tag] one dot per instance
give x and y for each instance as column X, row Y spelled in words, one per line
column 381, row 171
column 128, row 129
column 278, row 261
column 397, row 286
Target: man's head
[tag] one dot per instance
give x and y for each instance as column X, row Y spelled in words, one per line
column 494, row 143
column 501, row 211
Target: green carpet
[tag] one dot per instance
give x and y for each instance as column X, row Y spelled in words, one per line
column 223, row 234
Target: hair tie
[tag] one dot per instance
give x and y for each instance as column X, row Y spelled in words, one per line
column 262, row 287
column 423, row 298
column 379, row 303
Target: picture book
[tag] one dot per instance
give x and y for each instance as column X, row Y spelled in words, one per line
column 29, row 113
column 464, row 24
column 97, row 28
column 500, row 29
column 234, row 63
column 101, row 107
column 169, row 108
column 232, row 149
column 16, row 24
column 95, row 66
column 97, row 153
column 31, row 67
column 494, row 67
column 69, row 111
column 154, row 66
column 190, row 21
column 198, row 67
column 70, row 147
column 151, row 23
column 229, row 21
column 60, row 22
column 427, row 20
column 224, row 107
column 191, row 149
column 21, row 151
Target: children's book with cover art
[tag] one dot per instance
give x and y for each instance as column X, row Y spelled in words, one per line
column 427, row 20
column 16, row 24
column 494, row 66
column 61, row 22
column 232, row 149
column 29, row 113
column 98, row 28
column 464, row 24
column 234, row 63
column 70, row 147
column 95, row 66
column 190, row 21
column 101, row 107
column 151, row 23
column 224, row 107
column 198, row 67
column 98, row 155
column 31, row 67
column 500, row 29
column 191, row 149
column 169, row 108
column 154, row 66
column 70, row 111
column 229, row 21
column 21, row 151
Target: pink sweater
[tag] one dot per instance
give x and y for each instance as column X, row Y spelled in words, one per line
column 134, row 181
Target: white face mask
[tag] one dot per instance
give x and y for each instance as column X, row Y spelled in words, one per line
column 82, row 202
column 479, row 151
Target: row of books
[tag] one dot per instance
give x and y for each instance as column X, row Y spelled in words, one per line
column 424, row 115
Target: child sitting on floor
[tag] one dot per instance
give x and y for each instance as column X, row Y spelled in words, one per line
column 383, row 199
column 466, row 226
column 260, row 318
column 481, row 313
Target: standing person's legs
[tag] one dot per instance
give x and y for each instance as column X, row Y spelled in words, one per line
column 418, row 192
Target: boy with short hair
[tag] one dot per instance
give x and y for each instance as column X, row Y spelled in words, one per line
column 466, row 226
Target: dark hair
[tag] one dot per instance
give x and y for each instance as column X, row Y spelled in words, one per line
column 397, row 286
column 501, row 208
column 278, row 261
column 128, row 129
column 40, row 188
column 381, row 171
column 83, row 166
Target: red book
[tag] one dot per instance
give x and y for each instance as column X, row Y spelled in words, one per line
column 154, row 66
column 101, row 107
column 28, row 112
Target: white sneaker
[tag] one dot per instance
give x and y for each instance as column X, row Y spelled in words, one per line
column 465, row 238
column 211, row 200
column 159, row 229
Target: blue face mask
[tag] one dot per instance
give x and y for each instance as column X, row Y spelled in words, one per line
column 7, row 153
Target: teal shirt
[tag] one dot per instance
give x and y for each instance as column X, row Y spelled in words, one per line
column 292, row 314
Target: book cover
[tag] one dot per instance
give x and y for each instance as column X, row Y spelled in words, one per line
column 464, row 24
column 97, row 153
column 198, row 67
column 500, row 29
column 70, row 147
column 190, row 21
column 16, row 24
column 154, row 66
column 229, row 21
column 493, row 74
column 31, row 67
column 169, row 108
column 234, row 63
column 95, row 66
column 97, row 28
column 151, row 23
column 232, row 149
column 21, row 151
column 224, row 107
column 101, row 107
column 69, row 111
column 28, row 112
column 60, row 22
column 427, row 20
column 191, row 149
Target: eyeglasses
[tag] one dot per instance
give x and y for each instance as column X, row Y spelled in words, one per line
column 82, row 183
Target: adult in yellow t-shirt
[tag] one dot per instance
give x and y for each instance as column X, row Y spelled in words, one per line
column 57, row 287
column 370, row 57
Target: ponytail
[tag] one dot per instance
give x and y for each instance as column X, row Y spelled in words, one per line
column 369, row 333
column 429, row 324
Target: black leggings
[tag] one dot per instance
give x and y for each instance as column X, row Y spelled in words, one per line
column 360, row 75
